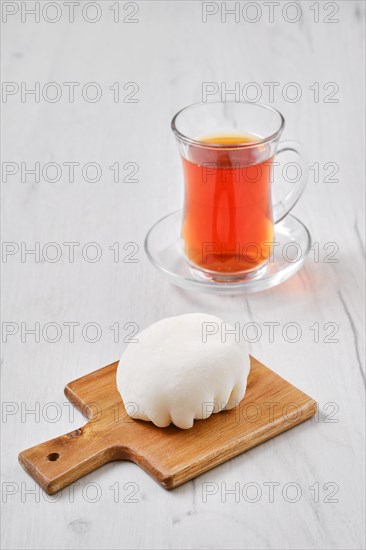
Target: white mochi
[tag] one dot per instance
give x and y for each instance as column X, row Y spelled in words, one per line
column 172, row 375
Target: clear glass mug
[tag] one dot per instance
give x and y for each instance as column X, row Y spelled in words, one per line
column 227, row 151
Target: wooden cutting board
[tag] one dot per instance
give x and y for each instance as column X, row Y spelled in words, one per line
column 170, row 455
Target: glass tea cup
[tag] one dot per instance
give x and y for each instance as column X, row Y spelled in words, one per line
column 227, row 151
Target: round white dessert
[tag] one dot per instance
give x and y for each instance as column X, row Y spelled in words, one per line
column 183, row 368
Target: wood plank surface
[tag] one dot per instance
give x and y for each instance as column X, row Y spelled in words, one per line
column 170, row 52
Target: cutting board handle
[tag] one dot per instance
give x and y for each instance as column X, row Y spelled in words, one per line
column 61, row 461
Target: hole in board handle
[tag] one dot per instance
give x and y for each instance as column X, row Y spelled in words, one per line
column 53, row 456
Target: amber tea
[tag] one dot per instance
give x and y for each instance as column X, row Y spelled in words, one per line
column 227, row 219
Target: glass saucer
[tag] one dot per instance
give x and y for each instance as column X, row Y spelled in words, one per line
column 164, row 248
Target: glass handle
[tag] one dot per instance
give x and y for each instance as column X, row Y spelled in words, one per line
column 284, row 206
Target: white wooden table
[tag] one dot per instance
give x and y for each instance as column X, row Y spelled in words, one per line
column 304, row 489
